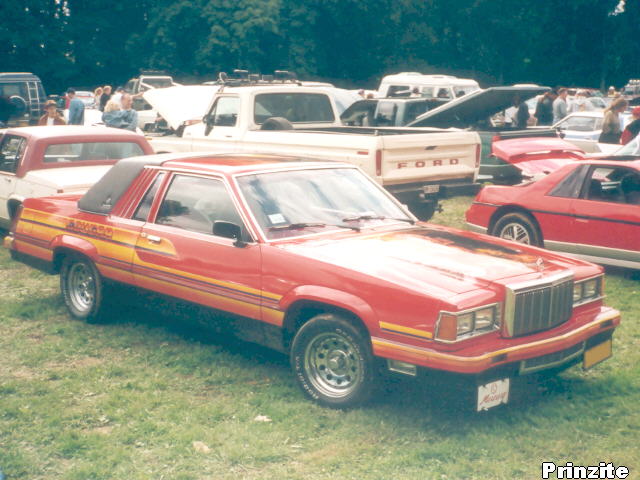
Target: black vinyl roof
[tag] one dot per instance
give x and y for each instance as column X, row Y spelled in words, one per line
column 103, row 196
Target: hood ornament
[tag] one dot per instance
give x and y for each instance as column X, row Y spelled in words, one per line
column 540, row 264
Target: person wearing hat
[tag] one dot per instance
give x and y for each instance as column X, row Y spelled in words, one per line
column 631, row 131
column 51, row 117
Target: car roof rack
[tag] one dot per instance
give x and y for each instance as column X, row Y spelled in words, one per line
column 153, row 72
column 241, row 78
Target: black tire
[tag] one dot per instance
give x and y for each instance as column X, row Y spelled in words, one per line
column 276, row 123
column 517, row 227
column 82, row 289
column 333, row 362
column 423, row 211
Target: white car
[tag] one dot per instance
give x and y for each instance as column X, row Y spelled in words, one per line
column 584, row 129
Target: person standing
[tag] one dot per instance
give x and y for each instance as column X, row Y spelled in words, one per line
column 633, row 129
column 560, row 105
column 544, row 109
column 51, row 117
column 105, row 97
column 522, row 113
column 97, row 93
column 76, row 108
column 132, row 116
column 118, row 95
column 611, row 130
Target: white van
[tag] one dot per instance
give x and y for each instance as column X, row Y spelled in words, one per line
column 429, row 86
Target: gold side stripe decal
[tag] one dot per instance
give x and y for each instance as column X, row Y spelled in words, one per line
column 392, row 327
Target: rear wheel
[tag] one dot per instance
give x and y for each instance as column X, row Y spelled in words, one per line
column 517, row 227
column 82, row 288
column 333, row 362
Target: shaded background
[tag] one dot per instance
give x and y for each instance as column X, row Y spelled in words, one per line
column 353, row 43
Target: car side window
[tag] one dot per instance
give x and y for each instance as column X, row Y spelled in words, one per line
column 225, row 112
column 613, row 185
column 11, row 152
column 571, row 185
column 195, row 203
column 142, row 212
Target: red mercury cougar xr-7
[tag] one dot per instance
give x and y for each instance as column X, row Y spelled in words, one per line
column 315, row 259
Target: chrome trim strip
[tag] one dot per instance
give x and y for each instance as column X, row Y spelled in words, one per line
column 605, row 255
column 476, row 228
column 524, row 370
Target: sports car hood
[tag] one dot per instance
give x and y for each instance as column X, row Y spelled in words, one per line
column 441, row 261
column 179, row 104
column 476, row 106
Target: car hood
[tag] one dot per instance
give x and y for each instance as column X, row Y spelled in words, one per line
column 68, row 178
column 429, row 259
column 469, row 109
column 179, row 104
column 536, row 155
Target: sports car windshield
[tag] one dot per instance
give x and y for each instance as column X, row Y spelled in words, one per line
column 294, row 203
column 632, row 148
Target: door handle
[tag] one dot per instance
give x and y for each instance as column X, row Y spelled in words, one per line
column 582, row 220
column 153, row 239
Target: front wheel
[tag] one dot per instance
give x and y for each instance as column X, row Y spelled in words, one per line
column 333, row 362
column 517, row 227
column 82, row 288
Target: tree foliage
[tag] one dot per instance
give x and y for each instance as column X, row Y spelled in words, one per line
column 80, row 43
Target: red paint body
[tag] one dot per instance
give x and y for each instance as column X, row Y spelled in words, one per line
column 591, row 227
column 395, row 278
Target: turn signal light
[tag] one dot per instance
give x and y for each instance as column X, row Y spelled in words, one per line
column 448, row 328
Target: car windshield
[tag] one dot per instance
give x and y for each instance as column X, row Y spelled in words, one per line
column 294, row 203
column 158, row 82
column 90, row 151
column 630, row 149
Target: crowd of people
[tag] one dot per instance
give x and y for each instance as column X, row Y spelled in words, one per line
column 116, row 107
column 555, row 105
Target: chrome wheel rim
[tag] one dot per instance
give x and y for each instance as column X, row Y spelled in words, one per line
column 82, row 287
column 333, row 365
column 516, row 232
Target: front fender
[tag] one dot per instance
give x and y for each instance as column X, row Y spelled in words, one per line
column 336, row 298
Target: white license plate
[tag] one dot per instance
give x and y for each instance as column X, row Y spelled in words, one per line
column 431, row 188
column 493, row 394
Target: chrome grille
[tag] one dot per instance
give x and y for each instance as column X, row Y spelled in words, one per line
column 536, row 307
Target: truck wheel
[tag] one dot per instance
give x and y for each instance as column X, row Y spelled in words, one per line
column 423, row 211
column 82, row 289
column 518, row 228
column 333, row 362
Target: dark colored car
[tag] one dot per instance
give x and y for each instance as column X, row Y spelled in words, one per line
column 22, row 97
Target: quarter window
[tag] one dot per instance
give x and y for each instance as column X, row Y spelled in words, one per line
column 142, row 212
column 195, row 203
column 571, row 185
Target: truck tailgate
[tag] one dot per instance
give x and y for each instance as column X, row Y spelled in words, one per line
column 436, row 156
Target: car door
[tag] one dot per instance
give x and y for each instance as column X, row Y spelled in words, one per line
column 554, row 212
column 12, row 150
column 177, row 253
column 607, row 213
column 221, row 126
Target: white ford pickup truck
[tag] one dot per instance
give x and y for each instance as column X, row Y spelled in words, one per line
column 418, row 166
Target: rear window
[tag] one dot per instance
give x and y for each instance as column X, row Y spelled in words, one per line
column 295, row 107
column 10, row 89
column 90, row 152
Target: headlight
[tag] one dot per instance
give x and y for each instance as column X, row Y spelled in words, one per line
column 453, row 326
column 588, row 290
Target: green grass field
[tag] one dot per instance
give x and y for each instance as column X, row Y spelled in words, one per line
column 148, row 397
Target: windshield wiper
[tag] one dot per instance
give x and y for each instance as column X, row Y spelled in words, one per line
column 300, row 225
column 377, row 217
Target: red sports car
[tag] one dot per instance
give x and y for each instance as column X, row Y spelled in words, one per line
column 589, row 209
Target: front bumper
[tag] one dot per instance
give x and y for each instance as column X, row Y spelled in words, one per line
column 606, row 321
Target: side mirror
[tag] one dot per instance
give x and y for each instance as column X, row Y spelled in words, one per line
column 229, row 230
column 208, row 123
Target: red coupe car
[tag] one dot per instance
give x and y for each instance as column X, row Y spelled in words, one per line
column 589, row 209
